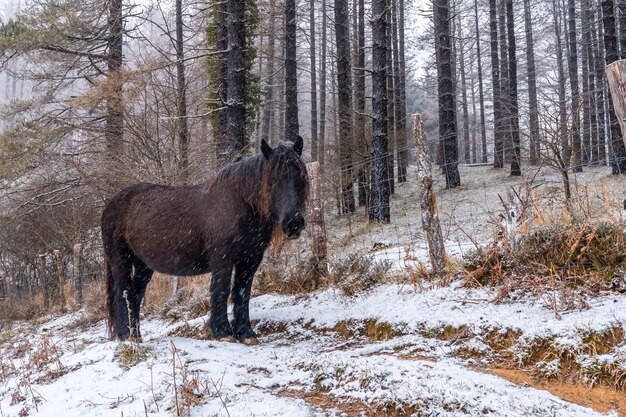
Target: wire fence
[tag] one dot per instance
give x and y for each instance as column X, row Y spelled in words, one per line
column 471, row 215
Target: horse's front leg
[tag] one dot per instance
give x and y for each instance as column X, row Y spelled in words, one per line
column 244, row 273
column 220, row 289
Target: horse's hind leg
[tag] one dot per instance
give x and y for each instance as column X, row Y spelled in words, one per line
column 121, row 269
column 138, row 284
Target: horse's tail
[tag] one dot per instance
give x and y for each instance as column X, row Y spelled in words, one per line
column 110, row 306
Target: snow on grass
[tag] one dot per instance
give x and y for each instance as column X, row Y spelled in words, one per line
column 220, row 379
column 448, row 306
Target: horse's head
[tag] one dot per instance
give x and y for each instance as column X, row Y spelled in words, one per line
column 286, row 185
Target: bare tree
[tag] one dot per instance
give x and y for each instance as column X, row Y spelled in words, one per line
column 447, row 108
column 292, row 126
column 498, row 137
column 481, row 94
column 573, row 78
column 344, row 90
column 533, row 107
column 312, row 53
column 183, row 130
column 516, row 159
column 379, row 205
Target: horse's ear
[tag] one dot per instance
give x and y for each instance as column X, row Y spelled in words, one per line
column 298, row 145
column 266, row 149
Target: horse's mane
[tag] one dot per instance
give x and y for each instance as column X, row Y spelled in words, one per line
column 250, row 178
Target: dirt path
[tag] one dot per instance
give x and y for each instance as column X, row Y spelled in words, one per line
column 602, row 399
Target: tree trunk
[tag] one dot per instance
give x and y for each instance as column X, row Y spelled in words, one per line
column 78, row 278
column 464, row 105
column 43, row 276
column 236, row 78
column 618, row 158
column 401, row 134
column 58, row 261
column 391, row 126
column 183, row 131
column 516, row 157
column 360, row 118
column 220, row 127
column 313, row 82
column 474, row 127
column 268, row 106
column 397, row 98
column 292, row 126
column 447, row 109
column 504, row 83
column 114, row 117
column 598, row 41
column 588, row 15
column 573, row 79
column 322, row 130
column 533, row 107
column 481, row 94
column 379, row 206
column 562, row 128
column 498, row 139
column 344, row 97
column 585, row 152
column 621, row 5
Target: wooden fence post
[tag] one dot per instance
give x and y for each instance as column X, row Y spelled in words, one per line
column 29, row 279
column 316, row 213
column 616, row 75
column 58, row 260
column 78, row 278
column 428, row 204
column 44, row 282
column 175, row 284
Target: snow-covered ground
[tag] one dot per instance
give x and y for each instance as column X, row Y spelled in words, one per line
column 394, row 350
column 300, row 361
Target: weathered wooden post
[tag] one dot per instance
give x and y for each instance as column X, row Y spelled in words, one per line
column 44, row 282
column 58, row 260
column 78, row 278
column 175, row 283
column 29, row 279
column 316, row 214
column 428, row 204
column 616, row 75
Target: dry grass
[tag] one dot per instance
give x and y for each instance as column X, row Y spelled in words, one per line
column 191, row 300
column 559, row 258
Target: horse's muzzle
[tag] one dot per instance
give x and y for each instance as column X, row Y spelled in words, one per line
column 293, row 226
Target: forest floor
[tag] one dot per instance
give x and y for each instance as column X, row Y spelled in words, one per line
column 402, row 348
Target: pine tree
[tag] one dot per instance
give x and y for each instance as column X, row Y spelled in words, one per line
column 481, row 94
column 379, row 205
column 533, row 107
column 498, row 157
column 516, row 159
column 573, row 78
column 344, row 90
column 292, row 126
column 447, row 107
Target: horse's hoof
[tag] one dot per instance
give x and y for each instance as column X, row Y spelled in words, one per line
column 229, row 339
column 251, row 341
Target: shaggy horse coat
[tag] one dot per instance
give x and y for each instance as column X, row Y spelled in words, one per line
column 219, row 226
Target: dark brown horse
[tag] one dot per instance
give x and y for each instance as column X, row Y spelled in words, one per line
column 215, row 227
